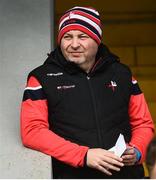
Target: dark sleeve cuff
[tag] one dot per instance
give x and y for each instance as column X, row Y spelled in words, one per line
column 85, row 160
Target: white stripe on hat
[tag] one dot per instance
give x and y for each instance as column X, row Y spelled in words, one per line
column 83, row 27
column 88, row 9
column 75, row 16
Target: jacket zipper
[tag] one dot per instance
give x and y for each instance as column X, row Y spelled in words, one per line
column 95, row 111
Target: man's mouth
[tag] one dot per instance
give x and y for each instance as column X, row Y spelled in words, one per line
column 76, row 54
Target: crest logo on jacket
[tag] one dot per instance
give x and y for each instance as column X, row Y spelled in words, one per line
column 134, row 81
column 112, row 85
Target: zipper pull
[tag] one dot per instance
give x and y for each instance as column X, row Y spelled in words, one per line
column 88, row 77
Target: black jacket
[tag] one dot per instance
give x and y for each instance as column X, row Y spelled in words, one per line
column 88, row 109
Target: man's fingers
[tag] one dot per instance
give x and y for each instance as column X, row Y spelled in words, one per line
column 129, row 150
column 112, row 161
column 129, row 160
column 103, row 160
column 129, row 163
column 104, row 170
column 128, row 157
column 109, row 166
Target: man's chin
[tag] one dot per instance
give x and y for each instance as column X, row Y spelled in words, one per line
column 75, row 60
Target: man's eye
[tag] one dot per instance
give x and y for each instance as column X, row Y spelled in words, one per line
column 67, row 37
column 84, row 37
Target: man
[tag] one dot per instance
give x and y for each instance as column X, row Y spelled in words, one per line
column 151, row 158
column 77, row 103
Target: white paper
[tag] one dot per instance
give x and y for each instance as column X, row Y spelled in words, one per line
column 120, row 146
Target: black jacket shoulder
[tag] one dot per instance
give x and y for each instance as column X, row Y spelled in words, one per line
column 122, row 68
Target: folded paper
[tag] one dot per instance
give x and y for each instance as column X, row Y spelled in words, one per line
column 120, row 146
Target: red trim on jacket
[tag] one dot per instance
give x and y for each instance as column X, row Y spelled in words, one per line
column 141, row 124
column 36, row 135
column 33, row 82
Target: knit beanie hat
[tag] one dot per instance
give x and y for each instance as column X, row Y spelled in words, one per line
column 83, row 19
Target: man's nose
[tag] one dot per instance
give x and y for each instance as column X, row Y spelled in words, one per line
column 75, row 43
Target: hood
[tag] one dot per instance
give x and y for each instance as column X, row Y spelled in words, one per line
column 104, row 58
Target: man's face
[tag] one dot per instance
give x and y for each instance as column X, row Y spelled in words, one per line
column 78, row 47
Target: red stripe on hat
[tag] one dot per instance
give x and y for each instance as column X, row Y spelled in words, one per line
column 63, row 17
column 97, row 21
column 78, row 27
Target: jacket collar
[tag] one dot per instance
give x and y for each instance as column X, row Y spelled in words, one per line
column 103, row 59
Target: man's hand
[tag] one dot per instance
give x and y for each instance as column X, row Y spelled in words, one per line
column 103, row 160
column 129, row 156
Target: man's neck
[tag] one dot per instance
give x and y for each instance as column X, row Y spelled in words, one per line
column 87, row 66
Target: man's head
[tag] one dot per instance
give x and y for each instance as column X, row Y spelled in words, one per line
column 80, row 35
column 83, row 19
column 151, row 158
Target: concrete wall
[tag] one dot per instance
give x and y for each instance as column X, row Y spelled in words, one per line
column 24, row 42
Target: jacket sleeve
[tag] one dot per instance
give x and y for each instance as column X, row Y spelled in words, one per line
column 35, row 131
column 141, row 122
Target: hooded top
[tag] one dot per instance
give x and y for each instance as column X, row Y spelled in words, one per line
column 103, row 58
column 87, row 111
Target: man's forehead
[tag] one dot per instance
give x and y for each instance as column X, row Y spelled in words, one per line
column 75, row 32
